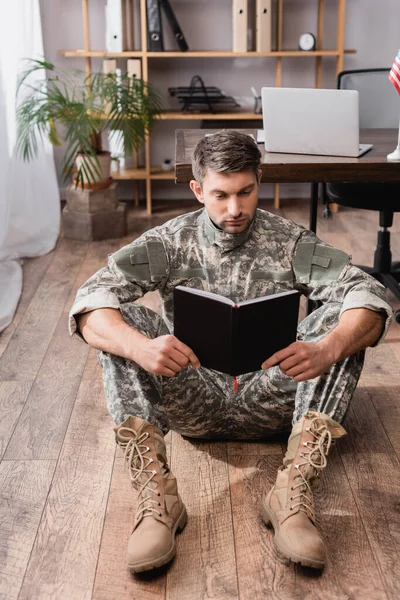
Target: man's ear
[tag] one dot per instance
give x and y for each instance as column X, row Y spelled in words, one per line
column 197, row 191
column 259, row 176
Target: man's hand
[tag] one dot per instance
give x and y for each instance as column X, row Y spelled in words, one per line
column 165, row 355
column 301, row 360
column 357, row 329
column 106, row 330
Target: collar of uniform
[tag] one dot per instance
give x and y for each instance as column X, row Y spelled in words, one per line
column 226, row 241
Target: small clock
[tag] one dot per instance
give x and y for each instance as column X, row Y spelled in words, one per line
column 307, row 42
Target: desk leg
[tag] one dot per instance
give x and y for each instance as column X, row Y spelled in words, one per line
column 313, row 226
column 314, row 207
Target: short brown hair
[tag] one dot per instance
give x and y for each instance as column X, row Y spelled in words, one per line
column 226, row 151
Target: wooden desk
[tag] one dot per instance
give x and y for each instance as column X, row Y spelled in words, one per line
column 302, row 168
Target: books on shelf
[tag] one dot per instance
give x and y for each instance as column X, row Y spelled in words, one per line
column 263, row 25
column 116, row 38
column 115, row 26
column 155, row 40
column 109, row 66
column 240, row 24
column 134, row 68
column 234, row 338
column 173, row 22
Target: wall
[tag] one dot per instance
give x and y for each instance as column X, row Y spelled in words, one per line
column 372, row 28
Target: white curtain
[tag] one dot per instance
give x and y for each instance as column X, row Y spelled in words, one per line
column 29, row 195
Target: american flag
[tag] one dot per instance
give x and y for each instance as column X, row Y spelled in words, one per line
column 394, row 75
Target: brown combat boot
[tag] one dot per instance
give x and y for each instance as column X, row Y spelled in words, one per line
column 289, row 506
column 160, row 511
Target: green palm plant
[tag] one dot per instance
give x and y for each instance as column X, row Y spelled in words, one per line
column 77, row 109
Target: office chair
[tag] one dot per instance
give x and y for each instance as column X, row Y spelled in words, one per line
column 379, row 108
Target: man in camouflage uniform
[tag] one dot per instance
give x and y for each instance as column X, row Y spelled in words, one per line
column 154, row 383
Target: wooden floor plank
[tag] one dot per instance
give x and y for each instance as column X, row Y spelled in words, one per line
column 205, row 563
column 372, row 469
column 25, row 351
column 24, row 486
column 13, row 395
column 64, row 558
column 351, row 569
column 34, row 270
column 380, row 379
column 41, row 427
column 92, row 368
column 113, row 580
column 261, row 572
column 267, row 448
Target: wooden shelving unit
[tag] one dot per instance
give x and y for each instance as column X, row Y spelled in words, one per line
column 137, row 174
column 149, row 173
column 202, row 54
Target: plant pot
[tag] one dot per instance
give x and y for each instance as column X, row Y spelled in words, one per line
column 99, row 180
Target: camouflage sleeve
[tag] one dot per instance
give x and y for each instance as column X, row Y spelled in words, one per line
column 325, row 274
column 135, row 269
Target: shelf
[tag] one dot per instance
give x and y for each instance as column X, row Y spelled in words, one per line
column 206, row 116
column 158, row 173
column 176, row 115
column 141, row 173
column 100, row 54
column 230, row 54
column 199, row 54
column 129, row 174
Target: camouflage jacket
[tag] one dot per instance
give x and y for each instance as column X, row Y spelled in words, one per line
column 273, row 255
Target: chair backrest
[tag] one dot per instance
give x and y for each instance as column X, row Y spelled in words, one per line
column 379, row 101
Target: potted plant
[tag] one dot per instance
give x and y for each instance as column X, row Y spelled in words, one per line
column 77, row 109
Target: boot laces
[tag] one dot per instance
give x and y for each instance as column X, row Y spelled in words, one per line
column 316, row 459
column 138, row 463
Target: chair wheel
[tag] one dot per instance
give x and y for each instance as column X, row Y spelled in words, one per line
column 397, row 316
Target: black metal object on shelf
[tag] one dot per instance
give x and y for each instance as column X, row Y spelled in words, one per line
column 198, row 97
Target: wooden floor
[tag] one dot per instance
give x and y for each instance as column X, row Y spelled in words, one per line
column 65, row 503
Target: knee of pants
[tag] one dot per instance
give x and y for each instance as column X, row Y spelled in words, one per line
column 319, row 323
column 144, row 319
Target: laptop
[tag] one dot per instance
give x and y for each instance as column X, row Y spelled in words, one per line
column 311, row 121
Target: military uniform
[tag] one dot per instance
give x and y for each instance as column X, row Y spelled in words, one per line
column 273, row 255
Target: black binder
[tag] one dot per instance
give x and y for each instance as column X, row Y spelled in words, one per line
column 154, row 26
column 176, row 30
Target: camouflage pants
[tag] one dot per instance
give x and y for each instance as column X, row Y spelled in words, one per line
column 202, row 403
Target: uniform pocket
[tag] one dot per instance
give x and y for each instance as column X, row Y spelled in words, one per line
column 192, row 277
column 270, row 282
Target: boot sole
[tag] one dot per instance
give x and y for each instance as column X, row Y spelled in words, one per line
column 165, row 558
column 269, row 518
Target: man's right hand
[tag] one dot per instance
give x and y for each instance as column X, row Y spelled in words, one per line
column 106, row 330
column 165, row 355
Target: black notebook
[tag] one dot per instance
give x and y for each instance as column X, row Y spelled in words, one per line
column 234, row 338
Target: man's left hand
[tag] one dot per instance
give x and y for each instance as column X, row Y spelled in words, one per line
column 301, row 360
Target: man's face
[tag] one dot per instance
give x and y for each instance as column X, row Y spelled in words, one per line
column 230, row 198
